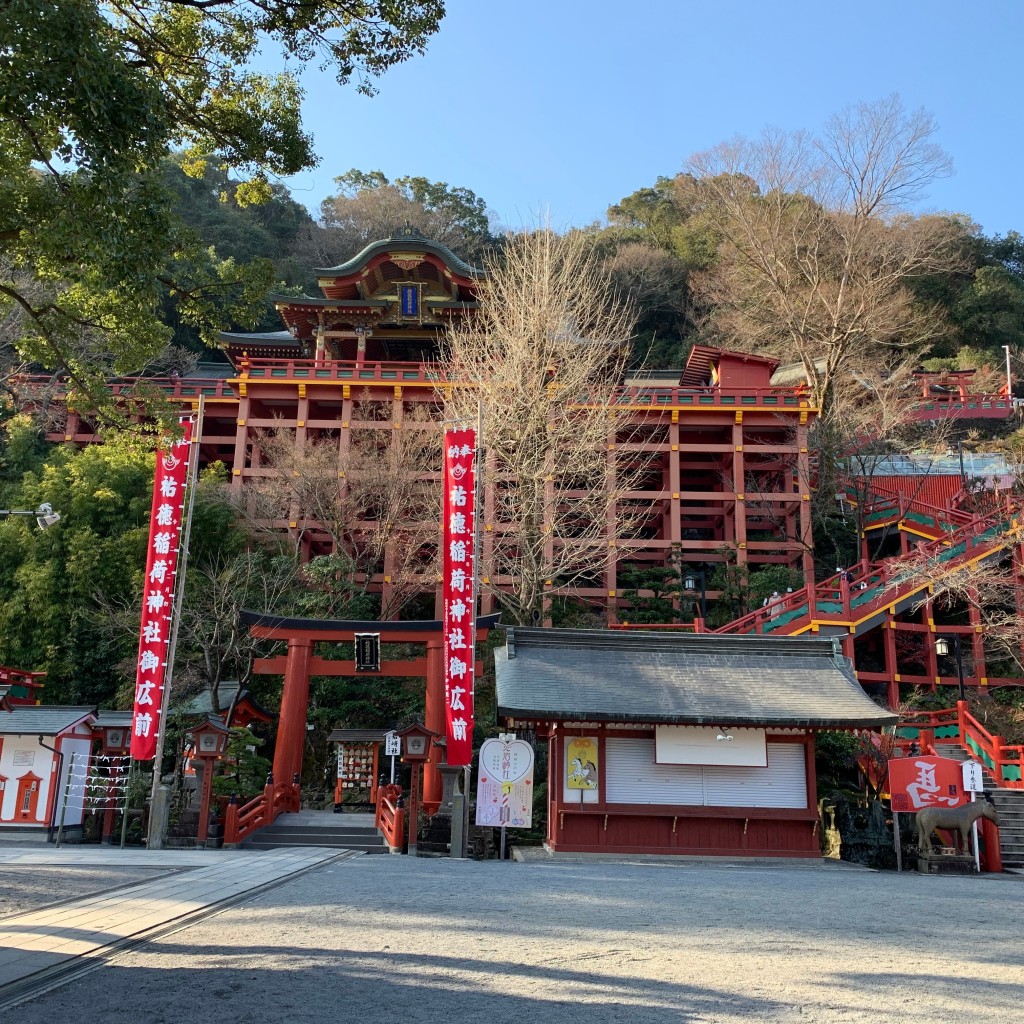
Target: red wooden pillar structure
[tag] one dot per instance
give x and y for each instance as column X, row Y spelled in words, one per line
column 417, row 746
column 211, row 740
column 301, row 662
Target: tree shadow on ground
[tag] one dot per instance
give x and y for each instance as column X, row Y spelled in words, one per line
column 294, row 985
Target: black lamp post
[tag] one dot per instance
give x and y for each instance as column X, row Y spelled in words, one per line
column 693, row 581
column 942, row 645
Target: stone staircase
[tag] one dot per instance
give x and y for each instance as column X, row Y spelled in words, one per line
column 319, row 828
column 1009, row 803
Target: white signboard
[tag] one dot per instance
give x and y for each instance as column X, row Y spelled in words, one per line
column 24, row 758
column 392, row 744
column 974, row 780
column 504, row 788
column 696, row 744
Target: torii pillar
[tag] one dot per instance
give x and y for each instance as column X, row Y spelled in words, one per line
column 433, row 719
column 291, row 727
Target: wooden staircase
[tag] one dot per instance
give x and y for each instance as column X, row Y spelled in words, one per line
column 879, row 588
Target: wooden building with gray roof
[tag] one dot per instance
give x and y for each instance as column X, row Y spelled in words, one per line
column 680, row 743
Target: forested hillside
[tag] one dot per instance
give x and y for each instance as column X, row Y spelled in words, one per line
column 660, row 245
column 819, row 271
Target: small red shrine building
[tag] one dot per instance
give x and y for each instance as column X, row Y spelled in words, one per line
column 235, row 704
column 37, row 744
column 680, row 743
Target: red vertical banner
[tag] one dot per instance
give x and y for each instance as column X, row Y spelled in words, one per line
column 459, row 590
column 165, row 523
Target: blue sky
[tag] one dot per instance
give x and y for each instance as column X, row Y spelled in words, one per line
column 567, row 105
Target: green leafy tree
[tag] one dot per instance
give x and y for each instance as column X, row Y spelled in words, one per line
column 243, row 771
column 369, row 206
column 983, row 302
column 92, row 97
column 653, row 593
column 52, row 583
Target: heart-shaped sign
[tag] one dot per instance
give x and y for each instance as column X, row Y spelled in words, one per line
column 506, row 762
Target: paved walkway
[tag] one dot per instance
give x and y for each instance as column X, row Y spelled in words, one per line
column 401, row 939
column 43, row 945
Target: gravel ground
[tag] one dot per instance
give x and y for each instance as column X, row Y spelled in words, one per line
column 392, row 939
column 25, row 887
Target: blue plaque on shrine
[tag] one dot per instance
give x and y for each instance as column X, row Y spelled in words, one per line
column 409, row 296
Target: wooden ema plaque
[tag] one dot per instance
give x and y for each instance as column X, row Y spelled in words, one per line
column 357, row 773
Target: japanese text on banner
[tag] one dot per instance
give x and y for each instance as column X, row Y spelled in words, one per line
column 459, row 591
column 169, row 485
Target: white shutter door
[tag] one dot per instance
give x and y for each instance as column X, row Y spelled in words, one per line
column 632, row 777
column 782, row 784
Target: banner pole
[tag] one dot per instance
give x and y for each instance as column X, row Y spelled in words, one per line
column 179, row 592
column 477, row 515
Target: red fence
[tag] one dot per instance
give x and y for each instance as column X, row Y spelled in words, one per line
column 384, row 372
column 390, row 818
column 241, row 822
column 875, row 585
column 927, row 729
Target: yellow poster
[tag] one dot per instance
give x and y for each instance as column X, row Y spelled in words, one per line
column 581, row 763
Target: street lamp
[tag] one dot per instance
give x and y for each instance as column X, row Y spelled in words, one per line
column 691, row 582
column 942, row 645
column 44, row 515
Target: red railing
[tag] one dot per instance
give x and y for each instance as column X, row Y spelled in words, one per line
column 891, row 498
column 982, row 406
column 260, row 811
column 397, row 372
column 390, row 818
column 394, row 372
column 871, row 585
column 344, row 371
column 127, row 387
column 1004, row 762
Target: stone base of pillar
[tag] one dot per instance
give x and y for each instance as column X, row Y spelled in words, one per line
column 159, row 812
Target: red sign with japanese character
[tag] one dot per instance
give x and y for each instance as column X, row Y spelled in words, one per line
column 459, row 590
column 925, row 781
column 169, row 486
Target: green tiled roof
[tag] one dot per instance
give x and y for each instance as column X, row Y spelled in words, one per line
column 408, row 240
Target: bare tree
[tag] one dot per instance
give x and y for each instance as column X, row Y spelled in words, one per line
column 876, row 417
column 544, row 358
column 376, row 499
column 816, row 247
column 213, row 644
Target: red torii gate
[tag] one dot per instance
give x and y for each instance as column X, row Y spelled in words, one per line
column 300, row 663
